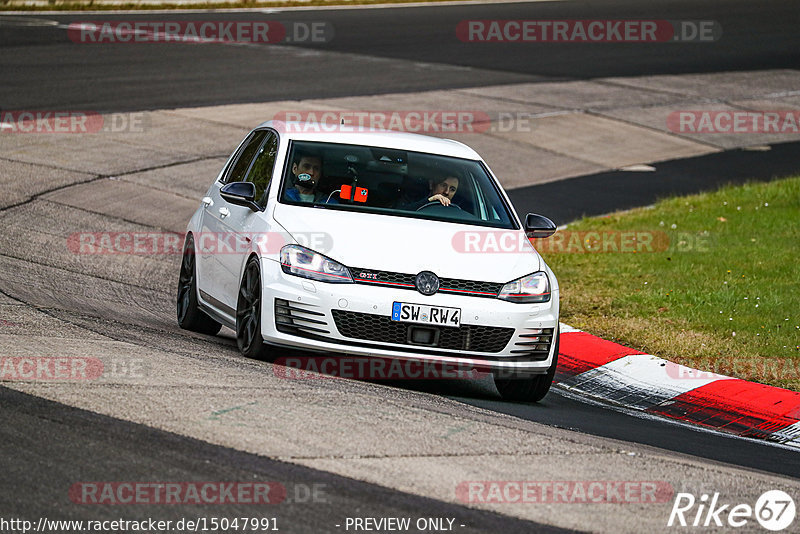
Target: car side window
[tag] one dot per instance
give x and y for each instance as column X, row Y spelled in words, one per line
column 260, row 172
column 245, row 157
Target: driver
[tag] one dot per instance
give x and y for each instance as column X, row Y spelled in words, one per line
column 307, row 171
column 442, row 191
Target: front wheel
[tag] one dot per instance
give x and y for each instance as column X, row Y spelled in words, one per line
column 530, row 389
column 248, row 313
column 190, row 316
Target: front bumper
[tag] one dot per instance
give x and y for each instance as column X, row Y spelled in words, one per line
column 318, row 316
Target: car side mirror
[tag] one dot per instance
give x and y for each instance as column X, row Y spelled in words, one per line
column 241, row 194
column 539, row 226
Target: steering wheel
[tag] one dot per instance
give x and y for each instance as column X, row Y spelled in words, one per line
column 437, row 203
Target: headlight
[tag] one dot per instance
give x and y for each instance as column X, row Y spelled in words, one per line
column 532, row 288
column 306, row 263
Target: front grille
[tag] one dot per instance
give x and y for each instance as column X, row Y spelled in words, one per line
column 475, row 338
column 533, row 344
column 470, row 287
column 387, row 278
column 454, row 286
column 299, row 319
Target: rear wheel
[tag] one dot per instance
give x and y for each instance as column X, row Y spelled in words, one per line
column 529, row 389
column 190, row 316
column 248, row 313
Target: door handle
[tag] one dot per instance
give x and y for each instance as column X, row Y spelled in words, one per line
column 224, row 212
column 206, row 202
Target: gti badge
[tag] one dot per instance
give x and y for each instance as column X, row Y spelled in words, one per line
column 427, row 283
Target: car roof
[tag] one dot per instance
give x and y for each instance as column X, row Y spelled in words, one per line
column 352, row 135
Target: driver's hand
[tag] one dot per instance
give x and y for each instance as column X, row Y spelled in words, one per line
column 441, row 198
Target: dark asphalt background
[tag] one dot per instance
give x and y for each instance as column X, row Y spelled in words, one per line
column 47, row 447
column 381, row 50
column 597, row 194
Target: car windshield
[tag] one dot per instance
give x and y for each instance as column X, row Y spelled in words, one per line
column 393, row 182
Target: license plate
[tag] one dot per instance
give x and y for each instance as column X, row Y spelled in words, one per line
column 405, row 312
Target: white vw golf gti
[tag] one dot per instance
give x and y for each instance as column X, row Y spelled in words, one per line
column 371, row 243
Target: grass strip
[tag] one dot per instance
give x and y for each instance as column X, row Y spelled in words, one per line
column 711, row 281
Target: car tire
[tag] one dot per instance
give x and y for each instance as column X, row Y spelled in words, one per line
column 248, row 313
column 529, row 389
column 190, row 316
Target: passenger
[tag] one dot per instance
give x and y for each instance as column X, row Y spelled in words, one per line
column 307, row 172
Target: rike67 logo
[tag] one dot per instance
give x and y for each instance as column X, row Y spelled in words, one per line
column 774, row 510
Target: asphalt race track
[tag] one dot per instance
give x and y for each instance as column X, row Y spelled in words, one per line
column 377, row 52
column 186, row 407
column 610, row 191
column 108, row 448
